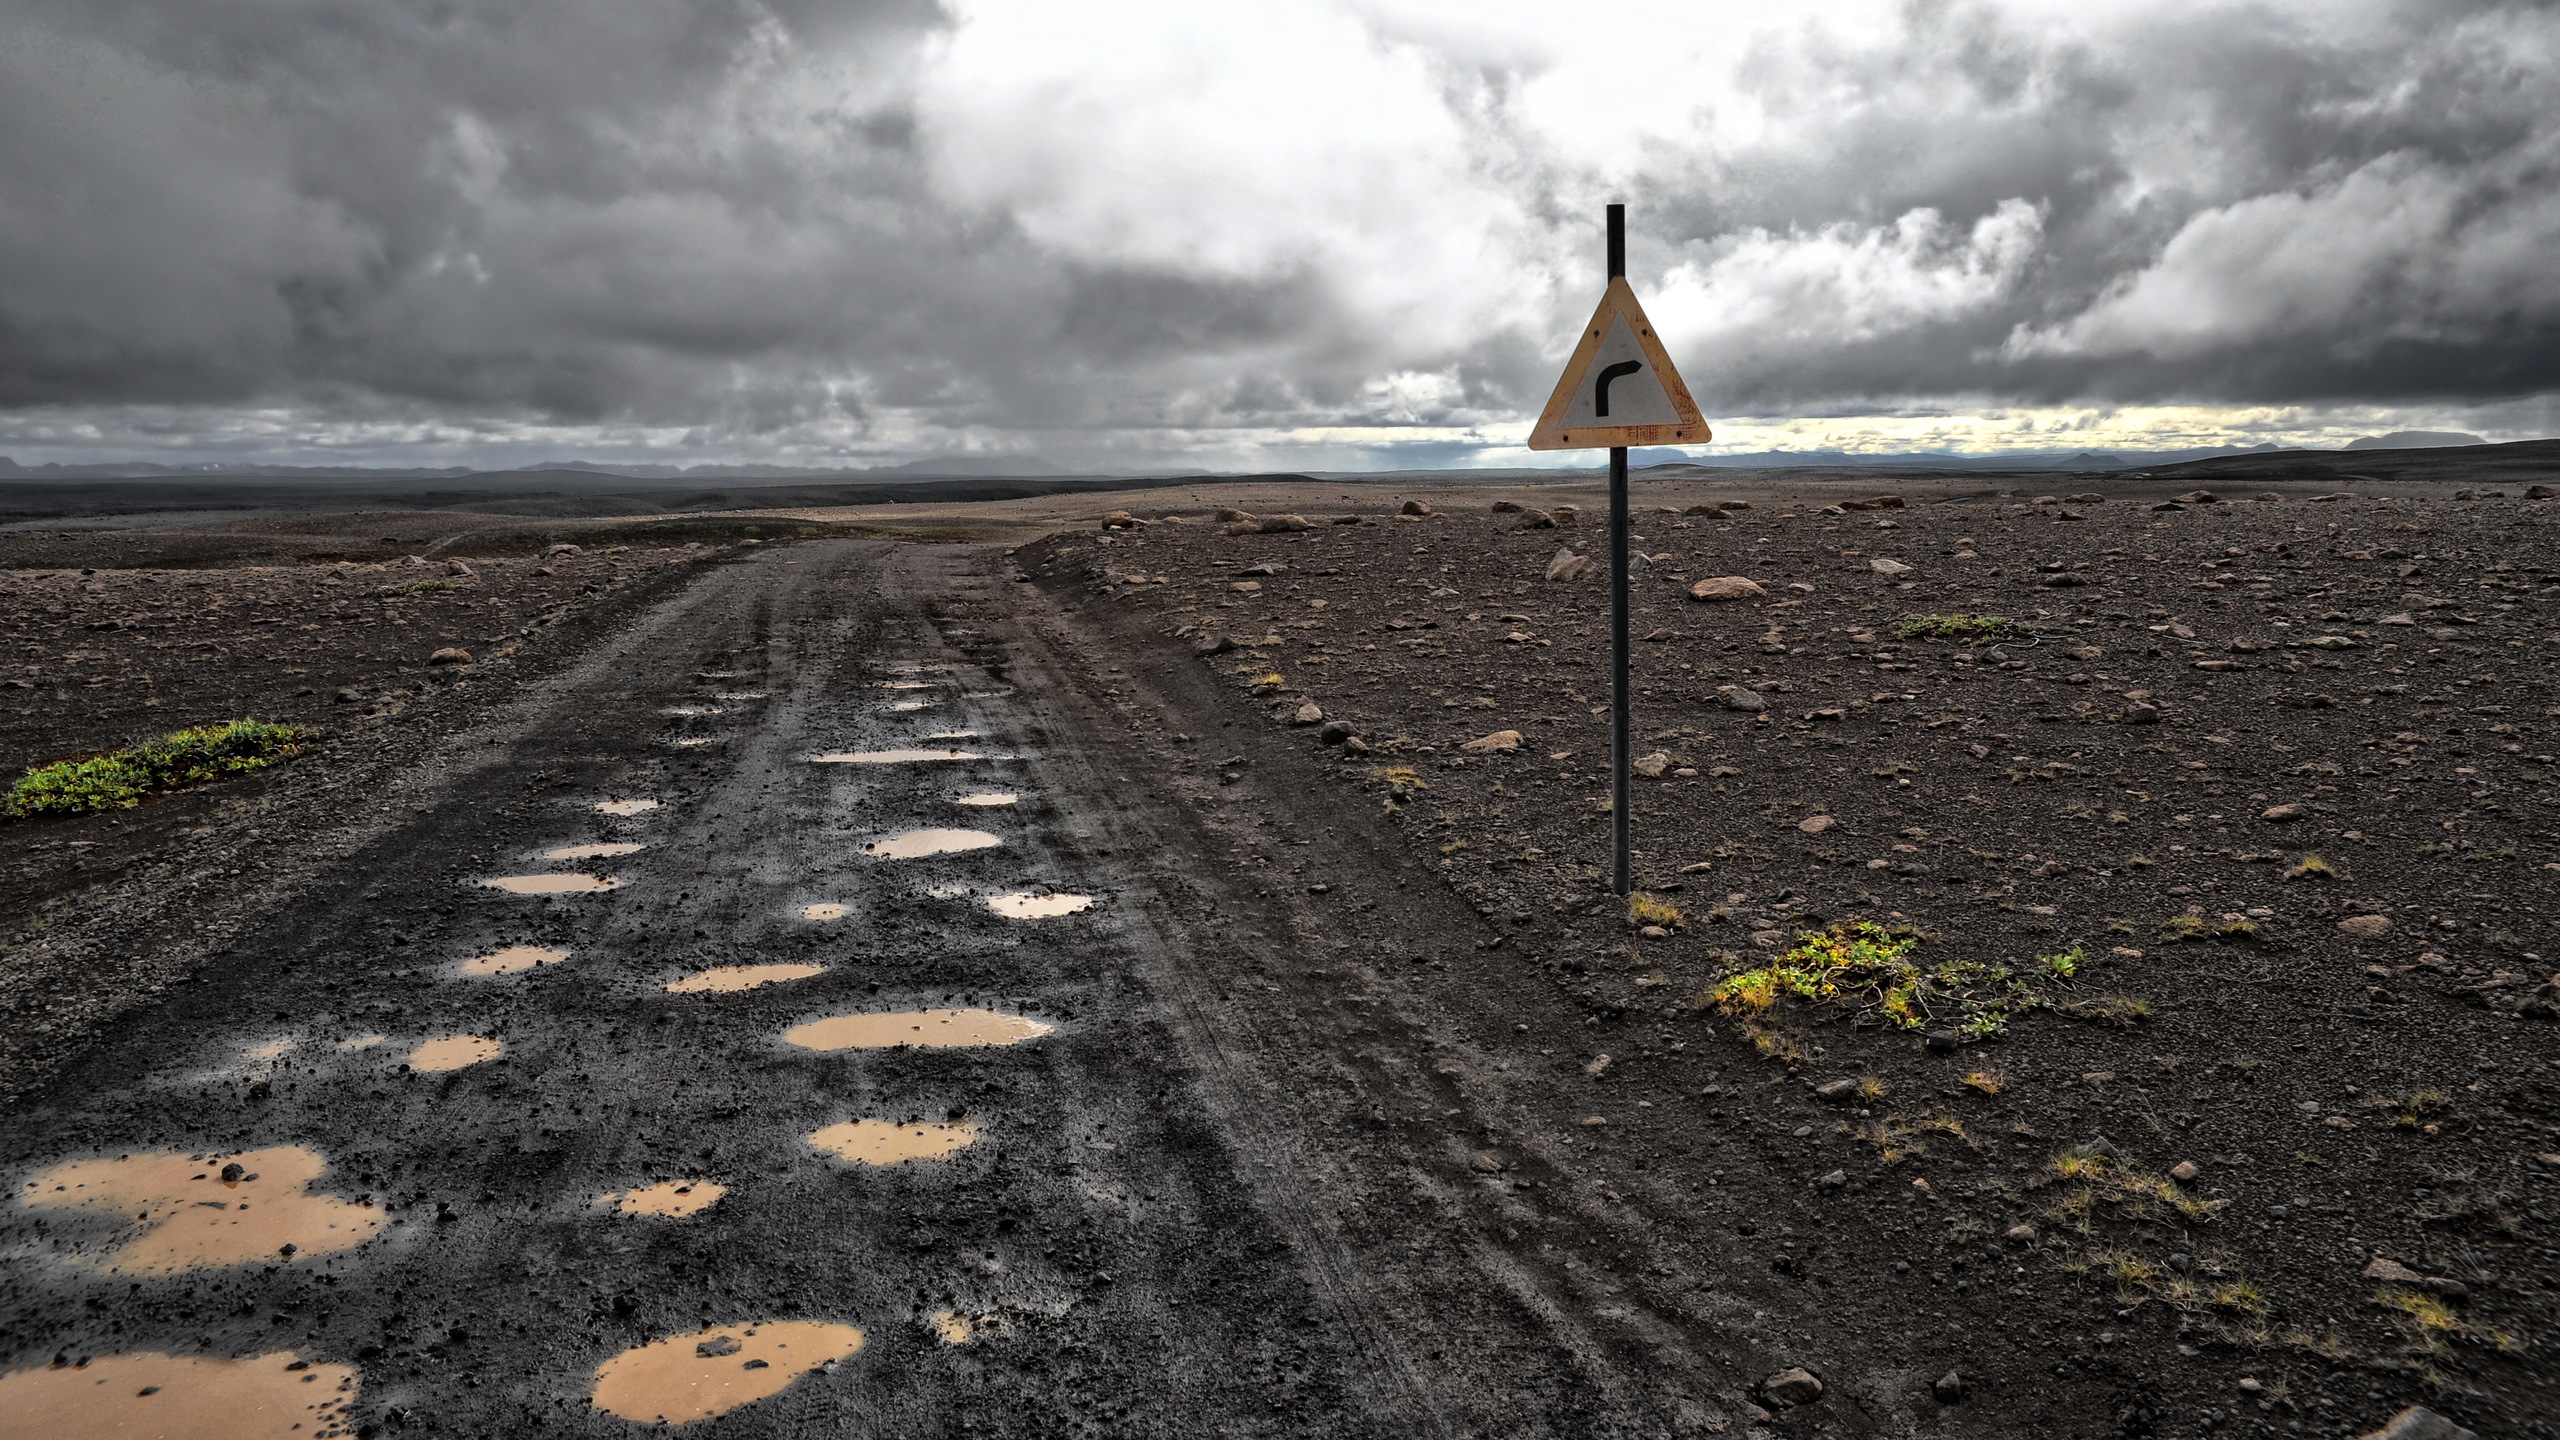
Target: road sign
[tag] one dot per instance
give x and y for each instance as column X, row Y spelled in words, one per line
column 1619, row 388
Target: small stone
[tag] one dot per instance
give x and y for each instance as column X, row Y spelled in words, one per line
column 1948, row 1388
column 347, row 695
column 1246, row 587
column 1334, row 732
column 1355, row 746
column 2392, row 1272
column 2019, row 1234
column 553, row 550
column 1837, row 1090
column 2365, row 927
column 2185, row 1171
column 1888, row 567
column 1208, row 645
column 1283, row 524
column 1506, row 507
column 1816, row 824
column 1486, row 1164
column 1942, row 1042
column 2420, row 1423
column 1833, row 1181
column 1500, row 742
column 457, row 569
column 1119, row 520
column 1791, row 1387
column 718, row 1345
column 2200, row 497
column 450, row 655
column 1726, row 587
column 1308, row 714
column 2281, row 812
column 1564, row 515
column 1415, row 507
column 1651, row 766
column 2401, row 618
column 1737, row 698
column 1568, row 566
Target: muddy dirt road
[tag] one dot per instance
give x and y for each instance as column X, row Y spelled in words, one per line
column 806, row 1016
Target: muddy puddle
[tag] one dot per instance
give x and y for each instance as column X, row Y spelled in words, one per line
column 567, row 882
column 685, row 1378
column 1027, row 906
column 728, row 979
column 513, row 959
column 150, row 1396
column 689, row 711
column 602, row 850
column 917, row 844
column 625, row 807
column 668, row 1199
column 452, row 1052
column 892, row 757
column 206, row 1211
column 951, row 1327
column 884, row 1142
column 988, row 797
column 825, row 912
column 924, row 1029
column 902, row 707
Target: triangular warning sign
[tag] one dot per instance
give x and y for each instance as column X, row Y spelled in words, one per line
column 1619, row 388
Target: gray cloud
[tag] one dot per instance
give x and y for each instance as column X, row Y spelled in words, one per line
column 800, row 229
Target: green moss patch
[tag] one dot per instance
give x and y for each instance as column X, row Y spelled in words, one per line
column 121, row 780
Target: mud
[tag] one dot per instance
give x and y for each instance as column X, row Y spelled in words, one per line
column 625, row 808
column 919, row 1029
column 685, row 1378
column 149, row 1396
column 452, row 1052
column 917, row 844
column 909, row 756
column 827, row 910
column 886, row 1142
column 514, row 959
column 668, row 1199
column 205, row 1211
column 603, row 850
column 1026, row 906
column 562, row 884
column 989, row 797
column 730, row 979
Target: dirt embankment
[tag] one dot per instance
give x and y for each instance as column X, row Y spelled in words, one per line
column 2224, row 1073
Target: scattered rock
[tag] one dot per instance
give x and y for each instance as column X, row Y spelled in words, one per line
column 2019, row 1234
column 1208, row 645
column 2185, row 1171
column 1486, row 1164
column 1881, row 502
column 1816, row 824
column 1837, row 1090
column 1888, row 567
column 1833, row 1181
column 1948, row 1388
column 1726, row 587
column 1651, row 766
column 1500, row 742
column 457, row 570
column 450, row 655
column 2366, row 927
column 1568, row 566
column 1737, row 698
column 552, row 551
column 2281, row 812
column 2420, row 1423
column 1308, row 714
column 1791, row 1387
column 1334, row 732
column 1263, row 570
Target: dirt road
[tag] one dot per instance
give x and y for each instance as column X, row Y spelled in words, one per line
column 432, row 1156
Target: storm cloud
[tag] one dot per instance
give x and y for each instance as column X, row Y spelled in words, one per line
column 815, row 231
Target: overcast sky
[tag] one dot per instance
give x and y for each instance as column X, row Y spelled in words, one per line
column 1294, row 233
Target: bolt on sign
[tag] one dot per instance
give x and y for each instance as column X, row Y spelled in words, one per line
column 1619, row 388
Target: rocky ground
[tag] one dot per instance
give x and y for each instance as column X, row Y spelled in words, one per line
column 2283, row 1151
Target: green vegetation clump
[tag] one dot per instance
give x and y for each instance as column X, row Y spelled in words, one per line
column 1962, row 629
column 119, row 781
column 1863, row 965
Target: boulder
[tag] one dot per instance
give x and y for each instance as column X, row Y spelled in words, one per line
column 1797, row 1386
column 450, row 655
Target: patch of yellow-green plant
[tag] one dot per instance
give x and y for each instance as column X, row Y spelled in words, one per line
column 1989, row 1082
column 2311, row 867
column 121, row 780
column 2122, row 1011
column 1905, row 1137
column 1960, row 629
column 1868, row 969
column 1403, row 777
column 2415, row 1110
column 2100, row 1181
column 1643, row 909
column 2433, row 1326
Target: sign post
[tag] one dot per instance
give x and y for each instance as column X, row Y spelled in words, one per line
column 1619, row 389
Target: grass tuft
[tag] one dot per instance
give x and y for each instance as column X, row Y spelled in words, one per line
column 1643, row 909
column 121, row 780
column 1961, row 629
column 1989, row 1082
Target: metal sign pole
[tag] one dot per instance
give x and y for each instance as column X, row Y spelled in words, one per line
column 1621, row 801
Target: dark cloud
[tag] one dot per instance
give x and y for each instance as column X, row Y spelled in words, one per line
column 814, row 226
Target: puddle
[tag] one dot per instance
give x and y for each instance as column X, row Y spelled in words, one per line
column 626, row 807
column 512, row 959
column 825, row 912
column 892, row 757
column 362, row 1042
column 949, row 891
column 900, row 707
column 206, row 1211
column 925, row 1029
column 916, row 844
column 730, row 978
column 272, row 1050
column 565, row 883
column 685, row 1378
column 881, row 1142
column 150, row 1396
column 668, row 1199
column 452, row 1052
column 743, row 695
column 904, row 685
column 692, row 710
column 1026, row 906
column 698, row 740
column 919, row 667
column 955, row 735
column 951, row 1327
column 988, row 797
column 604, row 851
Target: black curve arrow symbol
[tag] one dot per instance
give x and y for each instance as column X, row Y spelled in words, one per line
column 1600, row 388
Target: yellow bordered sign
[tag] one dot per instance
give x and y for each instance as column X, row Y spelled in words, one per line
column 1619, row 388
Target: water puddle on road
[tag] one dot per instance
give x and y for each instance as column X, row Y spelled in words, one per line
column 565, row 883
column 150, row 1396
column 901, row 707
column 625, row 808
column 512, row 959
column 452, row 1052
column 917, row 844
column 728, row 979
column 1026, row 906
column 604, row 850
column 207, row 1211
column 881, row 1142
column 988, row 797
column 685, row 1378
column 924, row 1029
column 892, row 757
column 668, row 1199
column 825, row 912
column 951, row 1327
